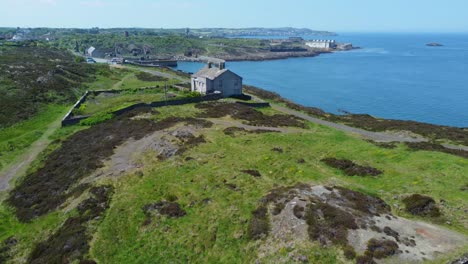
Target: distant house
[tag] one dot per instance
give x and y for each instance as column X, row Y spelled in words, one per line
column 18, row 37
column 217, row 79
column 321, row 44
column 95, row 53
column 90, row 51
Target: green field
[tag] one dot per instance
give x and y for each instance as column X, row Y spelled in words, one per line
column 96, row 191
column 214, row 229
column 16, row 139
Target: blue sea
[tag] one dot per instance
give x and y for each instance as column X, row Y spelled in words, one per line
column 393, row 76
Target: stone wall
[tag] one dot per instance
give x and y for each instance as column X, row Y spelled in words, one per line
column 69, row 119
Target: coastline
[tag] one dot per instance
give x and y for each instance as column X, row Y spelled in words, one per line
column 434, row 133
column 264, row 56
column 257, row 56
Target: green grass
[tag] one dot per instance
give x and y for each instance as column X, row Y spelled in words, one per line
column 111, row 102
column 215, row 232
column 28, row 233
column 106, row 82
column 14, row 140
column 132, row 81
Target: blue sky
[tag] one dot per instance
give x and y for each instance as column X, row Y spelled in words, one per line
column 333, row 15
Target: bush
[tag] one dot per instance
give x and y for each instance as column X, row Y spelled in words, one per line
column 148, row 77
column 259, row 225
column 96, row 119
column 350, row 168
column 421, row 205
column 193, row 94
column 79, row 59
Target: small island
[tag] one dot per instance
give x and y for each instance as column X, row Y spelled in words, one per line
column 434, row 44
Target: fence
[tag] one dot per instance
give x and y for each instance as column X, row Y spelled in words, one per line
column 69, row 119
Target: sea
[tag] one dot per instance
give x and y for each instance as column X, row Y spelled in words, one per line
column 392, row 76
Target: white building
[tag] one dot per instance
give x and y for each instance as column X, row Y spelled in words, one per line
column 90, row 51
column 217, row 79
column 321, row 44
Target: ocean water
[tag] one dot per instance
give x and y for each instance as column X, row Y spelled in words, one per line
column 394, row 76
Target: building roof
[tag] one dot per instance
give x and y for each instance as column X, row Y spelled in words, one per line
column 211, row 73
column 91, row 50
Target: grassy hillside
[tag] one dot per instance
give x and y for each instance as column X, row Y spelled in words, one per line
column 39, row 84
column 31, row 77
column 208, row 170
column 205, row 183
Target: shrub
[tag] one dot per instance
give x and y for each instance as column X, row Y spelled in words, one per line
column 421, row 205
column 193, row 94
column 350, row 168
column 96, row 119
column 381, row 248
column 259, row 225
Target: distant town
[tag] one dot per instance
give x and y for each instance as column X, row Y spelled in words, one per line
column 164, row 47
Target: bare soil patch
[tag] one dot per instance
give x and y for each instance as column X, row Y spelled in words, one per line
column 350, row 168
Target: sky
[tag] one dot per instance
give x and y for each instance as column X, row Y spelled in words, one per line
column 332, row 15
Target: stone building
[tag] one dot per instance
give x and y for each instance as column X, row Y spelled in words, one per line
column 321, row 44
column 217, row 80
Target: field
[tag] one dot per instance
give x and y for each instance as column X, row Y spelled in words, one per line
column 29, row 106
column 216, row 195
column 33, row 77
column 213, row 182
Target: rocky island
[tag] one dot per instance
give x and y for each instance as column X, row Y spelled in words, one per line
column 434, row 44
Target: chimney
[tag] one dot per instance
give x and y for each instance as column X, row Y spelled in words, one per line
column 222, row 65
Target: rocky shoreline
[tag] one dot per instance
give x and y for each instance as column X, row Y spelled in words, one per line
column 255, row 56
column 272, row 56
column 262, row 56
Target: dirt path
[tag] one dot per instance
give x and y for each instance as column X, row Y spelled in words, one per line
column 117, row 85
column 24, row 161
column 376, row 136
column 232, row 123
